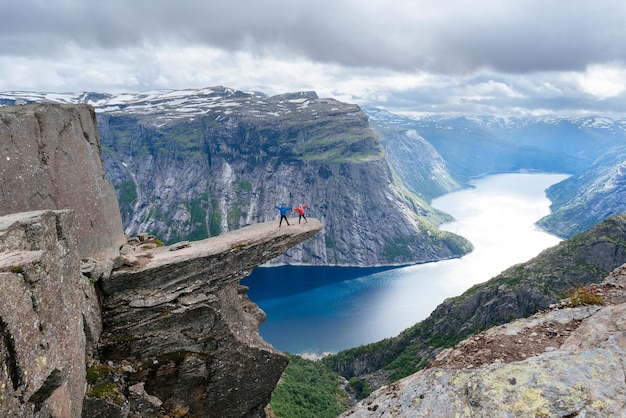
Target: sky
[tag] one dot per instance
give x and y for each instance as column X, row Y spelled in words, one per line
column 420, row 57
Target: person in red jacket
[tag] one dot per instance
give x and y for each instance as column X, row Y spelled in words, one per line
column 300, row 210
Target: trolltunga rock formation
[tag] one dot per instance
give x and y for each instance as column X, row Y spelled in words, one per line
column 184, row 329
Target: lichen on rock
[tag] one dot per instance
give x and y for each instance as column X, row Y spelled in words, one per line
column 580, row 374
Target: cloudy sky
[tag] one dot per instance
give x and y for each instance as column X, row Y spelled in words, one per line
column 517, row 57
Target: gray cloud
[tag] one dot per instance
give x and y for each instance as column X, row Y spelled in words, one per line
column 451, row 37
column 481, row 55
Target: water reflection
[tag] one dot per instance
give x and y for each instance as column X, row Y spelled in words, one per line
column 327, row 309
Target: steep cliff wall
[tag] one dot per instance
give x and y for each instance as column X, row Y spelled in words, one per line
column 49, row 316
column 189, row 174
column 51, row 159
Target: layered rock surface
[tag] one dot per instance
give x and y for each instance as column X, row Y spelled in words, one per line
column 564, row 362
column 180, row 324
column 49, row 316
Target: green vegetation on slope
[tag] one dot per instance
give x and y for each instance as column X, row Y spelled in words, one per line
column 126, row 197
column 332, row 147
column 308, row 389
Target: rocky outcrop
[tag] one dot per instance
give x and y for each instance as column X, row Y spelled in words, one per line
column 181, row 326
column 49, row 316
column 51, row 160
column 565, row 362
column 92, row 329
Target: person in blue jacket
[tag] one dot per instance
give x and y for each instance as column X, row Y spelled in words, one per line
column 283, row 213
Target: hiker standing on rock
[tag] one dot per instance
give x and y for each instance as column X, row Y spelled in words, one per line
column 300, row 210
column 283, row 213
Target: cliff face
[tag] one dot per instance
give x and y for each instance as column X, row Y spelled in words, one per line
column 49, row 316
column 51, row 160
column 567, row 361
column 190, row 164
column 92, row 329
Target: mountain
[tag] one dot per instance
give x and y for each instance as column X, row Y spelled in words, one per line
column 195, row 163
column 584, row 200
column 473, row 146
column 592, row 149
column 188, row 164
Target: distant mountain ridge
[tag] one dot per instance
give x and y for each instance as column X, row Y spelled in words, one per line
column 473, row 146
column 583, row 200
column 589, row 148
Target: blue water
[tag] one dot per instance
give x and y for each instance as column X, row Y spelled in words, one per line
column 328, row 309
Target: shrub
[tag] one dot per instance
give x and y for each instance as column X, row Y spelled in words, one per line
column 96, row 372
column 17, row 269
column 360, row 388
column 584, row 295
column 106, row 391
column 308, row 389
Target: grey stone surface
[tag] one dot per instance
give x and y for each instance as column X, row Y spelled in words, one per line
column 582, row 374
column 48, row 316
column 50, row 159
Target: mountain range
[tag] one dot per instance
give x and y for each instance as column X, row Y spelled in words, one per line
column 191, row 164
column 591, row 149
column 188, row 164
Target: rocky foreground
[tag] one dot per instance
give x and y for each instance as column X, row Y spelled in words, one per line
column 563, row 362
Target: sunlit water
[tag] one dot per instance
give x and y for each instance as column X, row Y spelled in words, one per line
column 327, row 309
